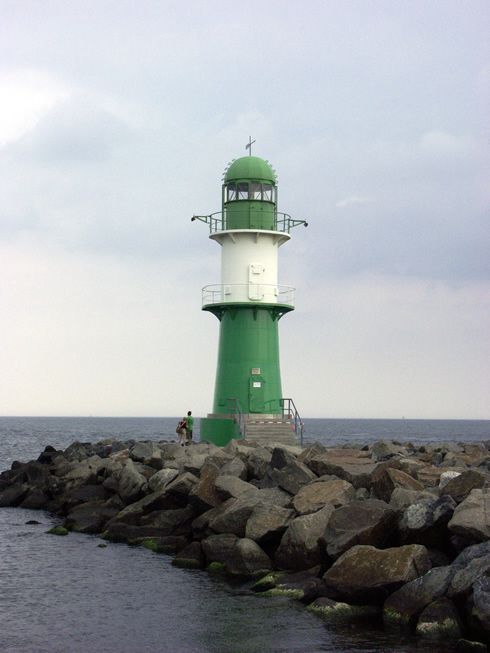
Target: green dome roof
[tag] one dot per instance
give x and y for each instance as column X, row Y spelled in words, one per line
column 250, row 167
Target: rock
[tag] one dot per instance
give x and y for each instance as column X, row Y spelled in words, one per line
column 180, row 488
column 365, row 574
column 386, row 480
column 267, row 522
column 194, row 462
column 353, row 466
column 402, row 499
column 230, row 486
column 132, row 484
column 191, row 557
column 425, row 522
column 337, row 611
column 439, row 620
column 300, row 548
column 465, row 646
column 247, row 559
column 235, row 467
column 370, row 522
column 87, row 518
column 217, row 548
column 471, row 519
column 460, row 486
column 234, row 518
column 480, row 612
column 429, row 476
column 463, row 580
column 204, row 495
column 406, row 604
column 446, row 477
column 13, row 496
column 291, row 477
column 57, row 530
column 304, row 586
column 170, row 522
column 316, row 495
column 143, row 452
column 384, row 450
column 169, row 544
column 257, row 462
column 161, row 479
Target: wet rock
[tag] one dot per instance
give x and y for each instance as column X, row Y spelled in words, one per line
column 406, row 604
column 365, row 574
column 190, row 557
column 247, row 559
column 480, row 611
column 335, row 611
column 316, row 495
column 87, row 518
column 300, row 548
column 471, row 519
column 439, row 620
column 370, row 522
column 466, row 646
column 170, row 522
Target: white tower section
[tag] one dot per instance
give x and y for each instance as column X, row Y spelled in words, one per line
column 249, row 267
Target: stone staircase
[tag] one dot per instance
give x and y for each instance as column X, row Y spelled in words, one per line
column 264, row 431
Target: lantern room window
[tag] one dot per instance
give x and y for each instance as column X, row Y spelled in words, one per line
column 267, row 190
column 231, row 192
column 255, row 191
column 242, row 191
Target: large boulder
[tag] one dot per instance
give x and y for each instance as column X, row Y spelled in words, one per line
column 386, row 479
column 480, row 611
column 267, row 522
column 425, row 522
column 300, row 548
column 257, row 462
column 87, row 517
column 203, row 495
column 365, row 574
column 228, row 486
column 371, row 522
column 234, row 519
column 235, row 467
column 351, row 465
column 460, row 486
column 132, row 484
column 290, row 477
column 248, row 559
column 316, row 495
column 439, row 620
column 471, row 519
column 406, row 604
column 170, row 522
column 161, row 479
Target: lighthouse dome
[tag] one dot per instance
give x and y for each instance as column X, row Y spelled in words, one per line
column 250, row 167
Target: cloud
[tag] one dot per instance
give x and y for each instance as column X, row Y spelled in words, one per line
column 353, row 200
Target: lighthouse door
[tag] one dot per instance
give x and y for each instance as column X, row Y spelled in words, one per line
column 256, row 394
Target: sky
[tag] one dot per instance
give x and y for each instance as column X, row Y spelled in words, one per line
column 117, row 120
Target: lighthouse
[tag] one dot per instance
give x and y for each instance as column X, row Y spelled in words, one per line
column 249, row 302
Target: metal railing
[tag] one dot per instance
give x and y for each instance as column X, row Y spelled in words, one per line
column 290, row 411
column 235, row 411
column 220, row 293
column 282, row 222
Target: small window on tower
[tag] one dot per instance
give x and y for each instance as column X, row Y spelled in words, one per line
column 231, row 192
column 242, row 190
column 255, row 191
column 267, row 192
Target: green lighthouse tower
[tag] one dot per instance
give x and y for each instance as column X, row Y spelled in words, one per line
column 249, row 303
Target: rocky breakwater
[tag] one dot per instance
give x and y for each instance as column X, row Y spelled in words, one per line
column 392, row 530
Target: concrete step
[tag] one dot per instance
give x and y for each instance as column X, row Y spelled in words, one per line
column 265, row 432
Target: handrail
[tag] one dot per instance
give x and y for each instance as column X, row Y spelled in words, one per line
column 234, row 410
column 289, row 410
column 282, row 222
column 268, row 293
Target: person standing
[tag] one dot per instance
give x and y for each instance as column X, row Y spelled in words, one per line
column 189, row 426
column 181, row 430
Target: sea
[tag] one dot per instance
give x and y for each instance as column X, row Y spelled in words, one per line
column 69, row 595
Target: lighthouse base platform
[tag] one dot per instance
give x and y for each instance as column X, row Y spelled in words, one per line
column 260, row 429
